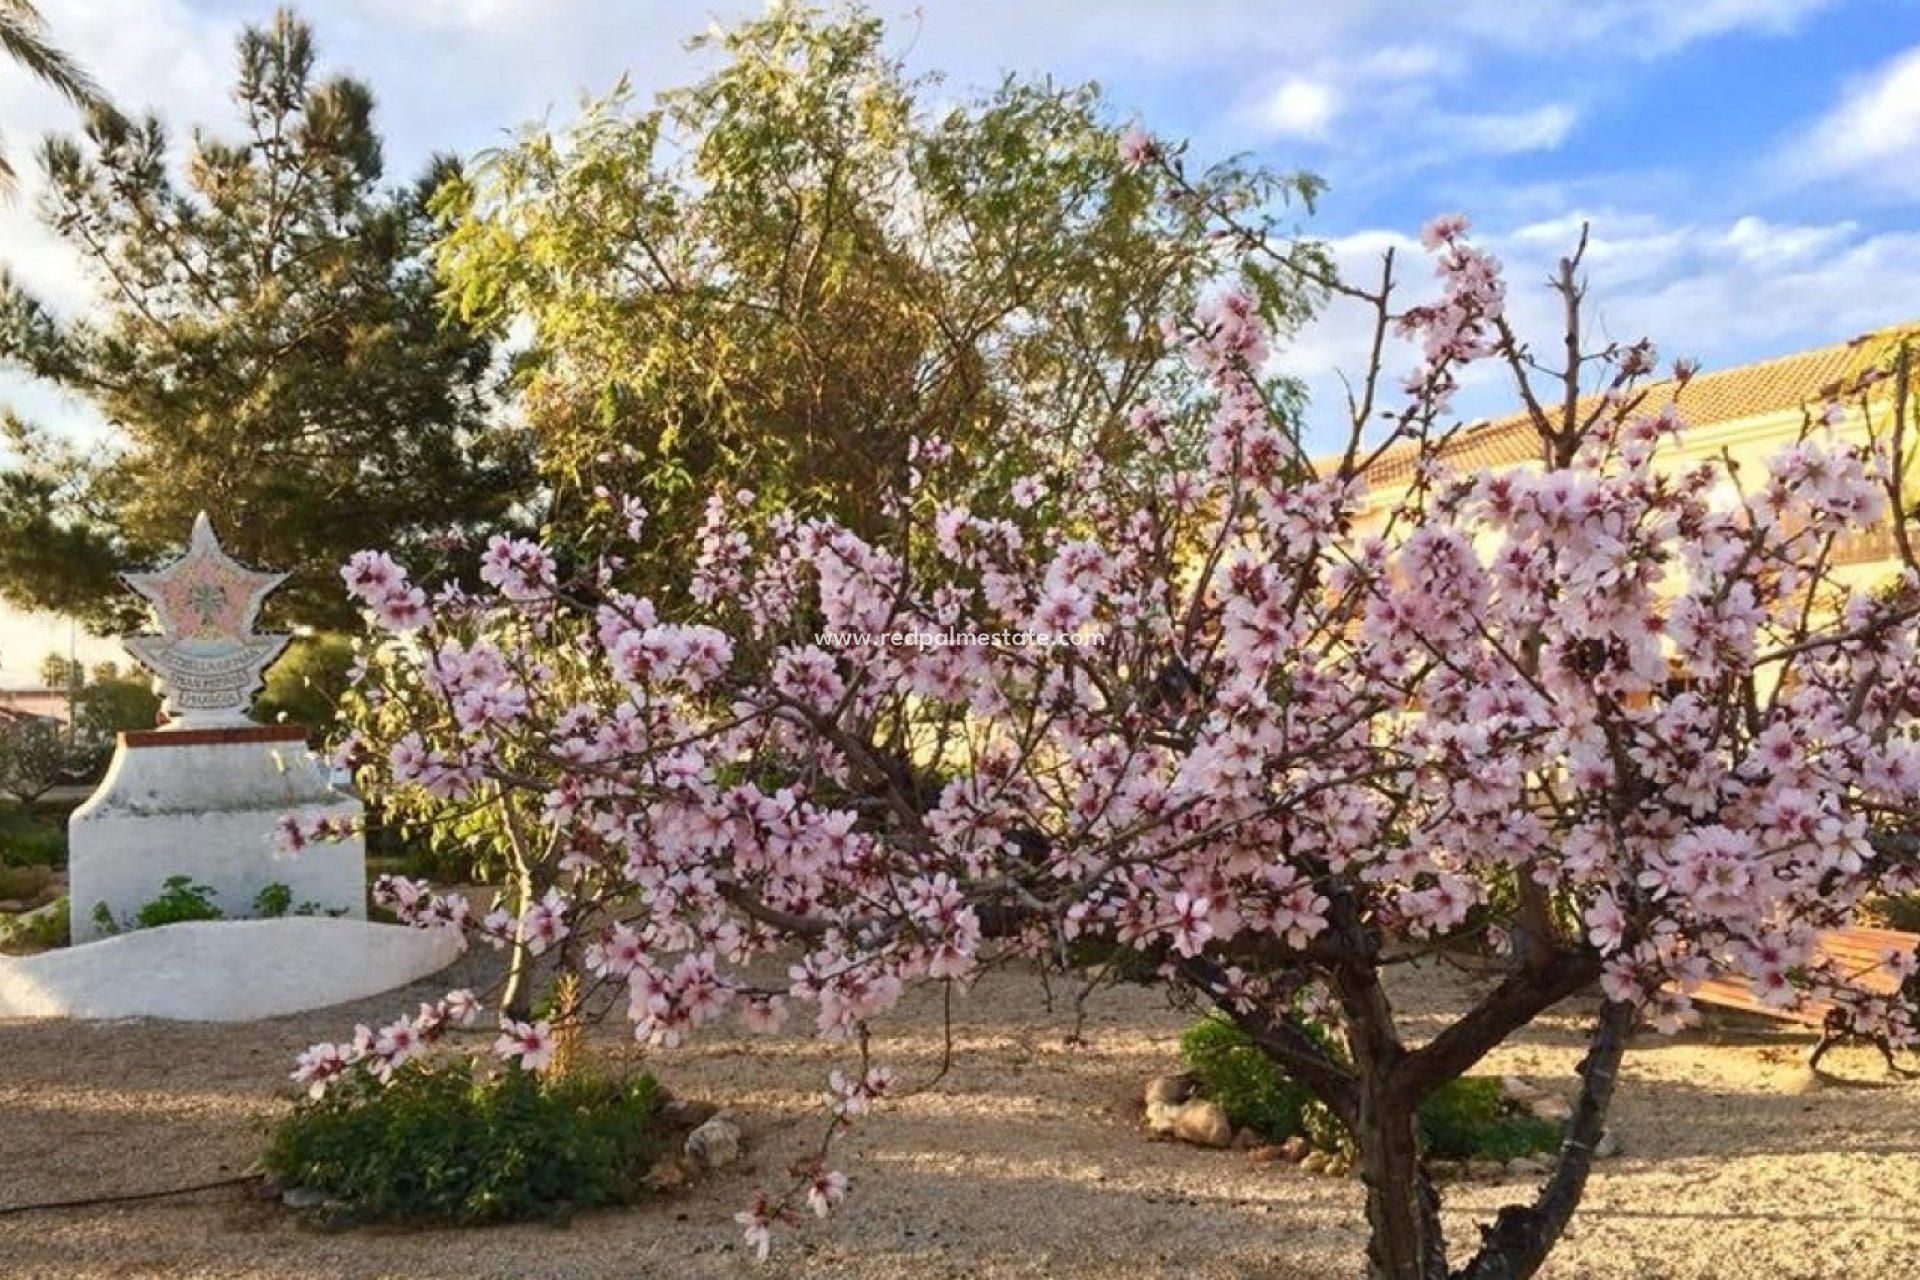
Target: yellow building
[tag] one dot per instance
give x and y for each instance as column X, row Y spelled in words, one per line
column 1747, row 413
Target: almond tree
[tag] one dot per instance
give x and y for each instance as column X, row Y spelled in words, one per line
column 1622, row 722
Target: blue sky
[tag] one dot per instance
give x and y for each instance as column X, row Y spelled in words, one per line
column 1751, row 168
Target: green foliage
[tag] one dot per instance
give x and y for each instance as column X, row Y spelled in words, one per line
column 1900, row 912
column 1467, row 1118
column 305, row 686
column 32, row 837
column 1234, row 1073
column 35, row 756
column 25, row 42
column 107, row 708
column 779, row 276
column 273, row 901
column 58, row 671
column 443, row 1143
column 180, row 900
column 41, row 930
column 18, row 883
column 1472, row 1118
column 272, row 350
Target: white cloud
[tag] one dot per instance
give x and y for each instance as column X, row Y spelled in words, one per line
column 1725, row 292
column 1871, row 137
column 1299, row 108
column 1541, row 129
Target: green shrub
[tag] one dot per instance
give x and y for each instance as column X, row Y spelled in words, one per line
column 1472, row 1118
column 1900, row 912
column 18, row 883
column 32, row 838
column 180, row 900
column 1249, row 1088
column 40, row 930
column 443, row 1143
column 1467, row 1118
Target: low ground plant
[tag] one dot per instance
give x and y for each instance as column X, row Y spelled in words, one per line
column 1470, row 1118
column 443, row 1141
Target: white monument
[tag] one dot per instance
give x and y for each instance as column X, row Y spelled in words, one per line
column 206, row 795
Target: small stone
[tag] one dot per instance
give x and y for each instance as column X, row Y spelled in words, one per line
column 1483, row 1170
column 1159, row 1118
column 667, row 1174
column 1203, row 1123
column 1518, row 1090
column 303, row 1198
column 1170, row 1091
column 715, row 1144
column 1608, row 1147
column 1266, row 1154
column 1444, row 1170
column 1548, row 1107
column 1245, row 1139
column 1526, row 1167
column 1314, row 1161
column 1295, row 1149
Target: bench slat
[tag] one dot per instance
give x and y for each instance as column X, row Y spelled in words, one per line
column 1856, row 953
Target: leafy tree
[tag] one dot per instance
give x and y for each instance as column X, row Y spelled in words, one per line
column 23, row 38
column 60, row 672
column 268, row 347
column 105, row 709
column 305, row 685
column 777, row 277
column 35, row 756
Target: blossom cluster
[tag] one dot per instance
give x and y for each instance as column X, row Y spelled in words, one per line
column 1323, row 715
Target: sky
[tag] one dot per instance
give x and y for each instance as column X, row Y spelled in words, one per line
column 1749, row 169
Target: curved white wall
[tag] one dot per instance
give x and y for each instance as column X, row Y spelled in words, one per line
column 222, row 971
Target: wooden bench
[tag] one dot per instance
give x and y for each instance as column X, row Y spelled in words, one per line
column 1857, row 955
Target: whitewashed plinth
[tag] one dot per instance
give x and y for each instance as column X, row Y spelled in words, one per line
column 207, row 803
column 222, row 971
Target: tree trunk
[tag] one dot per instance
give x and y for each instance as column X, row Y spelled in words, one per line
column 1522, row 1236
column 516, row 1000
column 1403, row 1212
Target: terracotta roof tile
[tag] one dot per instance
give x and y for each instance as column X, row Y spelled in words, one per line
column 1768, row 386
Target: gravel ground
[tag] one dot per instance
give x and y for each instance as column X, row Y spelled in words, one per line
column 1025, row 1161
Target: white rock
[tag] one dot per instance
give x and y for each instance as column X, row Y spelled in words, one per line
column 1526, row 1167
column 1202, row 1123
column 715, row 1144
column 1159, row 1117
column 1548, row 1107
column 1608, row 1147
column 1169, row 1091
column 1518, row 1090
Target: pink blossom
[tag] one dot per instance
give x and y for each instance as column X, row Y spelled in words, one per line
column 529, row 1042
column 1137, row 147
column 826, row 1191
column 320, row 1065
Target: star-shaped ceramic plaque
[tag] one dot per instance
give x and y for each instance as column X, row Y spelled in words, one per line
column 209, row 660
